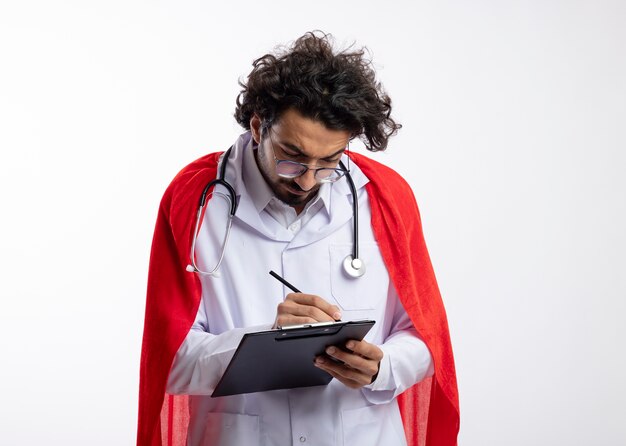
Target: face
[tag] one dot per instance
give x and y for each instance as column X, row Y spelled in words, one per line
column 296, row 138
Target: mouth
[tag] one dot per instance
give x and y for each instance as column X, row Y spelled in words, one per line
column 296, row 190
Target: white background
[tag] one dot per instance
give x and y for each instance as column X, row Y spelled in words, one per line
column 514, row 120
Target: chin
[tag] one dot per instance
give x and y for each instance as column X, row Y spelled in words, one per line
column 285, row 193
column 294, row 200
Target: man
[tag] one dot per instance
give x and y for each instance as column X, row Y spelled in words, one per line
column 294, row 215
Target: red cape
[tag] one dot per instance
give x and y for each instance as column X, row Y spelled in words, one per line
column 430, row 409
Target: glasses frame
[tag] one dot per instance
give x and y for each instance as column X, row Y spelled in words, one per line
column 306, row 167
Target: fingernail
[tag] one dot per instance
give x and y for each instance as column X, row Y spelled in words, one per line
column 337, row 316
column 330, row 350
column 319, row 360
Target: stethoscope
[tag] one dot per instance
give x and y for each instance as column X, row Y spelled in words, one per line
column 352, row 264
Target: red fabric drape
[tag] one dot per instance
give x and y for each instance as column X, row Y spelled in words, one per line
column 430, row 409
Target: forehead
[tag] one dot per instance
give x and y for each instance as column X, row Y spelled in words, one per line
column 310, row 136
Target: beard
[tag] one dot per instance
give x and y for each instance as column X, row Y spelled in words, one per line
column 289, row 192
column 286, row 190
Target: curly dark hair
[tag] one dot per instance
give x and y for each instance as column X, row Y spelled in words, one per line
column 338, row 89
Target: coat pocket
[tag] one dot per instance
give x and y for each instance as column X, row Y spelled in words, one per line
column 370, row 426
column 362, row 293
column 226, row 429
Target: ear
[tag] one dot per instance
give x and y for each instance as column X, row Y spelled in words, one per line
column 255, row 128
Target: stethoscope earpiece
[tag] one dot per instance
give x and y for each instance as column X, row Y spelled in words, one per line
column 192, row 269
column 353, row 267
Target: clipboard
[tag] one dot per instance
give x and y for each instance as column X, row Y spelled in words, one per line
column 283, row 358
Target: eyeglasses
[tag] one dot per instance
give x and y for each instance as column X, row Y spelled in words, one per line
column 293, row 169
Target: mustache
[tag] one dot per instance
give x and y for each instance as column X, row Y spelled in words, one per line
column 293, row 185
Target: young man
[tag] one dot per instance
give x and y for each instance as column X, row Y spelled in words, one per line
column 287, row 175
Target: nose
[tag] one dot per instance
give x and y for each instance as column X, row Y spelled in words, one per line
column 307, row 180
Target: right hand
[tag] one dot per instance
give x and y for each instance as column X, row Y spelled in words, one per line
column 300, row 308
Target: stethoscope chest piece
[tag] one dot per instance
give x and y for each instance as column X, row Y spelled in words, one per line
column 353, row 267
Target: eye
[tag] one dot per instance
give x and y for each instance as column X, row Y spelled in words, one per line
column 290, row 153
column 333, row 161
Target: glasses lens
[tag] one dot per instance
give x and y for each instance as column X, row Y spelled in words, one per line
column 328, row 175
column 289, row 169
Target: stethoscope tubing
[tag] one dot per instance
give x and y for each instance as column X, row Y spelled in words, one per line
column 355, row 213
column 353, row 265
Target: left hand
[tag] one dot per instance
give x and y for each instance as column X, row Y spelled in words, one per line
column 360, row 363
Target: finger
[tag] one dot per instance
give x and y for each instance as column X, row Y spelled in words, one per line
column 348, row 382
column 366, row 349
column 290, row 307
column 312, row 300
column 346, row 375
column 366, row 366
column 286, row 320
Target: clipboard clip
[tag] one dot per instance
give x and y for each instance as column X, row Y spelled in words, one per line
column 308, row 330
column 312, row 325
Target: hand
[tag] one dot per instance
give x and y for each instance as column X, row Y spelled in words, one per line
column 359, row 365
column 300, row 308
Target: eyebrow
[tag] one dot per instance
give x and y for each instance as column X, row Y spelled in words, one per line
column 301, row 152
